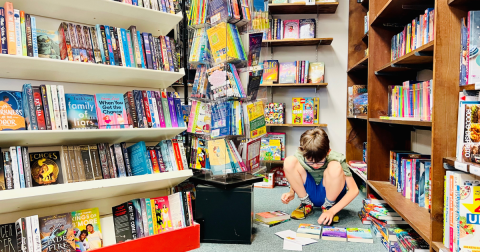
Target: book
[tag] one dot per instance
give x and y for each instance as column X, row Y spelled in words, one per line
column 87, row 163
column 307, row 28
column 272, row 216
column 46, row 107
column 46, row 168
column 163, row 214
column 305, row 110
column 124, row 222
column 316, row 72
column 111, row 113
column 176, row 210
column 474, row 42
column 10, row 28
column 360, row 100
column 18, row 32
column 137, row 155
column 269, row 224
column 254, row 119
column 9, row 237
column 287, row 72
column 57, row 232
column 334, row 233
column 270, row 71
column 3, row 32
column 11, row 111
column 87, row 220
column 309, row 231
column 29, row 107
column 275, row 113
column 137, row 209
column 81, row 111
column 291, row 29
column 96, row 164
column 48, row 46
column 464, row 53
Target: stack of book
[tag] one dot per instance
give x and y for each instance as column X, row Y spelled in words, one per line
column 198, row 12
column 200, row 48
column 260, row 23
column 273, row 146
column 358, row 167
column 47, row 107
column 207, row 86
column 272, row 218
column 275, row 113
column 150, row 216
column 160, row 5
column 414, row 35
column 291, row 29
column 293, row 72
column 358, row 100
column 226, row 44
column 411, row 173
column 231, row 11
column 23, row 169
column 305, row 110
column 411, row 101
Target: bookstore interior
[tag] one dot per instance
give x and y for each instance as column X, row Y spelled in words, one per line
column 210, row 125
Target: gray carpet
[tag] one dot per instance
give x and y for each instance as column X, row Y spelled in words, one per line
column 266, row 240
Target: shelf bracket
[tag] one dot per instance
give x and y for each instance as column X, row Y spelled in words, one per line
column 430, row 54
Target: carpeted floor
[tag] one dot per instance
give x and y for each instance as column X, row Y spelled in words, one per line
column 265, row 239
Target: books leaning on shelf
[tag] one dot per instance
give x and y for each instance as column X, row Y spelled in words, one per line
column 163, row 6
column 145, row 217
column 414, row 35
column 469, row 65
column 358, row 100
column 273, row 146
column 411, row 173
column 411, row 101
column 47, row 107
column 358, row 167
column 468, row 138
column 296, row 72
column 291, row 29
column 22, row 169
column 305, row 110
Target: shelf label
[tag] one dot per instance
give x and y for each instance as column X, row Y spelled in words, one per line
column 461, row 166
column 475, row 170
column 477, row 85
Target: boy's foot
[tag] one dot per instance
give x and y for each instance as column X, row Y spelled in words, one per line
column 302, row 212
column 336, row 219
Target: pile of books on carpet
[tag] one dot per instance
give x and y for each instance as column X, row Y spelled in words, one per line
column 359, row 168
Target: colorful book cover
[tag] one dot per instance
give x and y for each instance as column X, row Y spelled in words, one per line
column 122, row 220
column 48, row 44
column 275, row 113
column 303, row 110
column 11, row 111
column 137, row 154
column 468, row 217
column 81, row 111
column 334, row 233
column 464, row 55
column 316, row 72
column 309, row 229
column 3, row 31
column 287, row 72
column 270, row 71
column 255, row 47
column 291, row 29
column 219, row 158
column 474, row 43
column 137, row 209
column 46, row 168
column 307, row 28
column 162, row 212
column 111, row 111
column 37, row 101
column 29, row 107
column 360, row 100
column 256, row 119
column 87, row 228
column 56, row 231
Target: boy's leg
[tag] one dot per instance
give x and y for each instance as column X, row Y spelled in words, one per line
column 334, row 183
column 297, row 176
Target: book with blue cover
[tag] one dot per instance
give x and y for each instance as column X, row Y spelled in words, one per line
column 29, row 107
column 111, row 111
column 287, row 72
column 81, row 111
column 11, row 111
column 137, row 154
column 363, row 235
column 142, row 118
column 178, row 110
column 171, row 108
column 166, row 155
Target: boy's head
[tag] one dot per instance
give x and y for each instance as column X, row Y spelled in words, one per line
column 314, row 145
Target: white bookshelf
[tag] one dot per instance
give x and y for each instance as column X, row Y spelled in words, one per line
column 76, row 137
column 54, row 195
column 29, row 68
column 106, row 12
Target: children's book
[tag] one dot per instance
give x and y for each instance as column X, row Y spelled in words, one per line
column 474, row 43
column 48, row 46
column 360, row 100
column 11, row 111
column 111, row 111
column 270, row 71
column 81, row 111
column 271, row 149
column 464, row 55
column 468, row 217
column 162, row 213
column 255, row 126
column 307, row 28
column 275, row 113
column 269, row 224
column 200, row 118
column 305, row 110
column 88, row 220
column 46, row 168
column 316, row 72
column 272, row 216
column 287, row 72
column 219, row 158
column 334, row 233
column 57, row 231
column 291, row 29
column 309, row 231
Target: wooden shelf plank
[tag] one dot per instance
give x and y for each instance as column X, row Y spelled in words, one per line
column 365, row 38
column 470, row 4
column 439, row 247
column 417, row 217
column 468, row 167
column 409, row 59
column 104, row 12
column 362, row 65
column 402, row 122
column 301, row 8
column 297, row 42
column 294, row 85
column 394, row 12
column 77, row 137
column 29, row 68
column 358, row 117
column 35, row 197
column 297, row 125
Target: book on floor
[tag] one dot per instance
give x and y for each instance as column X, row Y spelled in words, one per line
column 309, row 231
column 363, row 235
column 334, row 233
column 270, row 223
column 272, row 216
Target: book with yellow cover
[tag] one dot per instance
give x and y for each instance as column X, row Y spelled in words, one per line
column 255, row 119
column 217, row 37
column 219, row 158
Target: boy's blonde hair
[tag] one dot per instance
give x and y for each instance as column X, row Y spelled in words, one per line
column 314, row 144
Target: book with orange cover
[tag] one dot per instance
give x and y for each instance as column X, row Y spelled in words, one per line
column 10, row 27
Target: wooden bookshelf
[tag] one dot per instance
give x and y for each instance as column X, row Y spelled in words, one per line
column 297, row 42
column 358, row 117
column 471, row 4
column 439, row 247
column 416, row 60
column 402, row 122
column 362, row 65
column 104, row 12
column 76, row 137
column 29, row 68
column 295, row 85
column 365, row 38
column 297, row 125
column 302, row 8
column 398, row 11
column 51, row 195
column 469, row 167
column 417, row 217
column 366, row 3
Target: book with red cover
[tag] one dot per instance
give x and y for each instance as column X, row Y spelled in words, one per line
column 178, row 156
column 147, row 108
column 37, row 101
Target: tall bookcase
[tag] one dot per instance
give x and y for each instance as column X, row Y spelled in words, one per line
column 442, row 56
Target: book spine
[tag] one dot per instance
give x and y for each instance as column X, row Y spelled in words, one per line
column 154, row 159
column 37, row 101
column 166, row 155
column 111, row 161
column 112, row 45
column 10, row 28
column 46, row 107
column 63, row 108
column 169, row 53
column 28, row 227
column 16, row 173
column 87, row 162
column 73, row 163
column 140, row 48
column 136, row 47
column 158, row 100
column 28, row 30
column 68, row 41
column 96, row 49
column 29, row 107
column 96, row 165
column 103, row 160
column 152, row 50
column 50, row 107
column 190, row 209
column 152, row 110
column 126, row 51
column 161, row 163
column 164, row 52
column 3, row 32
column 149, row 213
column 126, row 159
column 185, row 209
column 100, row 43
column 116, row 46
column 26, row 167
column 37, row 243
column 21, row 172
column 56, row 108
column 147, row 108
column 166, row 111
column 172, row 156
column 34, row 36
column 183, row 155
column 178, row 110
column 148, row 52
column 131, row 219
column 105, row 44
column 118, row 152
column 121, row 47
column 7, row 161
column 79, row 161
column 157, row 52
column 66, row 164
column 131, row 110
column 130, row 49
column 149, row 161
column 171, row 107
column 142, row 118
column 174, row 55
column 18, row 32
column 178, row 156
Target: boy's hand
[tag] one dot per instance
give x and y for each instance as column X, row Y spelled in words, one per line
column 287, row 197
column 326, row 218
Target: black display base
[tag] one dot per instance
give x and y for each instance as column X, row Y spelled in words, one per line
column 230, row 182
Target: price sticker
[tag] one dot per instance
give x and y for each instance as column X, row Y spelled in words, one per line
column 461, row 166
column 475, row 170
